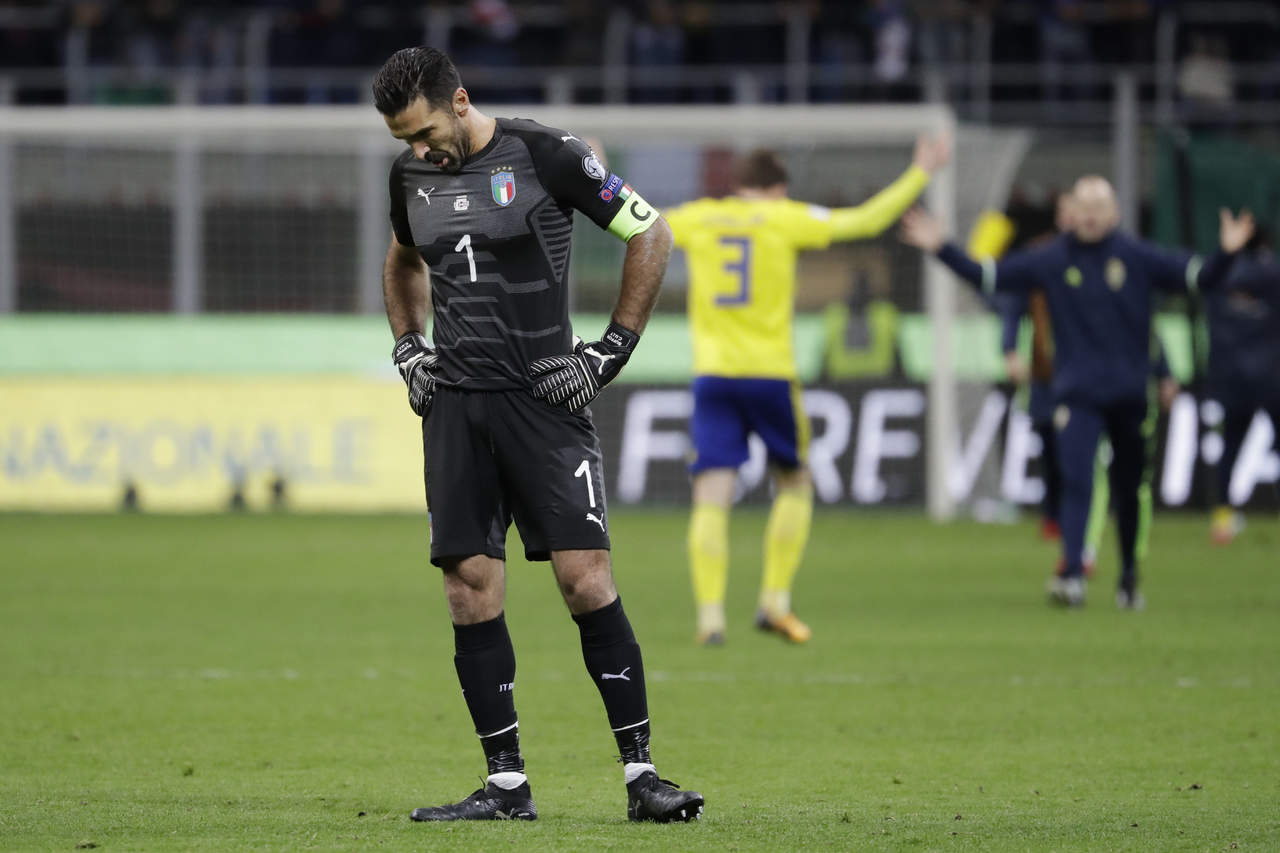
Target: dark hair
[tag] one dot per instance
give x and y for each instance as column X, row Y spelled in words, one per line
column 760, row 169
column 412, row 73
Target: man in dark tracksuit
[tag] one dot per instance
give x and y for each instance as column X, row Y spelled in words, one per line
column 1161, row 393
column 1099, row 283
column 1244, row 366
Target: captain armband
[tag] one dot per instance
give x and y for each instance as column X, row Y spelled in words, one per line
column 634, row 217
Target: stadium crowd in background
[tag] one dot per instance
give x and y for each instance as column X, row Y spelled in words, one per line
column 888, row 40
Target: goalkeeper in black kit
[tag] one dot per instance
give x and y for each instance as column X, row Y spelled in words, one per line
column 482, row 211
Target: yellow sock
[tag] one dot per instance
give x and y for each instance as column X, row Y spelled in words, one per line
column 709, row 563
column 784, row 540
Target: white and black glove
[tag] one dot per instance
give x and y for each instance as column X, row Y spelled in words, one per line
column 416, row 360
column 572, row 381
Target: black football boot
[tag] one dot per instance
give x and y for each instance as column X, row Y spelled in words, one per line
column 487, row 803
column 651, row 798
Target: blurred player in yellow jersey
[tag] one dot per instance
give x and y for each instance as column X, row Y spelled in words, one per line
column 742, row 265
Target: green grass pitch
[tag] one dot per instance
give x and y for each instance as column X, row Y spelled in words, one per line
column 285, row 683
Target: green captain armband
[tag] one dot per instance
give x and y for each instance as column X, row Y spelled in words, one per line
column 634, row 217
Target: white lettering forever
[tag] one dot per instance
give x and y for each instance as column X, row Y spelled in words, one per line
column 887, row 439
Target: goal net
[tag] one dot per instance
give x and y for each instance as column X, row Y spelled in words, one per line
column 239, row 210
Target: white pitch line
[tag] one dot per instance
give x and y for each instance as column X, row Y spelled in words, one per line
column 780, row 677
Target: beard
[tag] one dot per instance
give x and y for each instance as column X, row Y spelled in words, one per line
column 450, row 159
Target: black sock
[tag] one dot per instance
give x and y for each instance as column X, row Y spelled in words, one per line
column 486, row 666
column 612, row 655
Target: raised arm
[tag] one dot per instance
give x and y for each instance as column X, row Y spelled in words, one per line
column 874, row 216
column 1015, row 273
column 925, row 232
column 1234, row 233
column 1179, row 271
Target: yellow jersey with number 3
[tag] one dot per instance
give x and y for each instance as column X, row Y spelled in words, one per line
column 742, row 270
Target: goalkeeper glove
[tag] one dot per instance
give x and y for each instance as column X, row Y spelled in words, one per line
column 416, row 360
column 572, row 381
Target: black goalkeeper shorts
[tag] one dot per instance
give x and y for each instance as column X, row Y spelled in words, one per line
column 494, row 456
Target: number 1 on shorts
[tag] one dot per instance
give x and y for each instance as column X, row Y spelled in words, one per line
column 584, row 470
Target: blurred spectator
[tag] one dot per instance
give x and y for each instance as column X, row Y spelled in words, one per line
column 31, row 40
column 489, row 39
column 210, row 42
column 585, row 33
column 1205, row 76
column 149, row 32
column 1125, row 33
column 657, row 41
column 143, row 51
column 1270, row 80
column 941, row 27
column 1064, row 51
column 837, row 49
column 136, row 38
column 321, row 35
column 1206, row 82
column 892, row 32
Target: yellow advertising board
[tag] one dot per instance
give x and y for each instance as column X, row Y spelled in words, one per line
column 190, row 443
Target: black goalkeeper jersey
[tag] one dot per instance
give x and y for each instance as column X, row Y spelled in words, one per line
column 496, row 238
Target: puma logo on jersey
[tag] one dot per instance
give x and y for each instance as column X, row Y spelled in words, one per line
column 591, row 516
column 426, row 194
column 567, row 138
column 621, row 676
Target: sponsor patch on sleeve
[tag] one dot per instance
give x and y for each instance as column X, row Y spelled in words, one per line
column 610, row 188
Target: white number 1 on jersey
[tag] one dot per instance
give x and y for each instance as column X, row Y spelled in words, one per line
column 465, row 243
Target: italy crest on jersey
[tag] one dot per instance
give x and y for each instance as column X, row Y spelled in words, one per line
column 503, row 182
